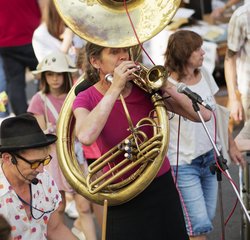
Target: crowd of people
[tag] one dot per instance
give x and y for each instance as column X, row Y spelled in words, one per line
column 181, row 200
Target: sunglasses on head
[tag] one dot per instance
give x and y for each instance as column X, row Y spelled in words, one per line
column 35, row 164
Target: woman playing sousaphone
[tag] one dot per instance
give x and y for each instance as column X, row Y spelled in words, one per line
column 156, row 212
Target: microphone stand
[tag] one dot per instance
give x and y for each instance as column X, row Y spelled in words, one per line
column 214, row 168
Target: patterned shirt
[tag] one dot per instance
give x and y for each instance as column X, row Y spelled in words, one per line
column 239, row 41
column 45, row 200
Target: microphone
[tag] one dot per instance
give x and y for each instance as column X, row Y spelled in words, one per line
column 34, row 181
column 182, row 88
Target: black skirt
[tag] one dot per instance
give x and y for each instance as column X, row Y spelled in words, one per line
column 155, row 214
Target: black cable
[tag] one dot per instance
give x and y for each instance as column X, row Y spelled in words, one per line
column 32, row 207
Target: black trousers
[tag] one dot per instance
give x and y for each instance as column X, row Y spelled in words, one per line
column 15, row 62
column 155, row 214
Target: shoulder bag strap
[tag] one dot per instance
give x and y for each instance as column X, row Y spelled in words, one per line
column 48, row 104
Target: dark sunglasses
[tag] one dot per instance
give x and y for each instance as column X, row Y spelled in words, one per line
column 35, row 164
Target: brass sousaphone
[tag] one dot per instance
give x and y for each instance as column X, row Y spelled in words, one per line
column 105, row 23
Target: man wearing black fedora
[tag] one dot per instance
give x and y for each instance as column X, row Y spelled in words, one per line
column 28, row 195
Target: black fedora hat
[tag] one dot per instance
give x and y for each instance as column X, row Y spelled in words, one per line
column 23, row 132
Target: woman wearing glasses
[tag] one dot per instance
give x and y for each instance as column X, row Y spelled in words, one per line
column 29, row 197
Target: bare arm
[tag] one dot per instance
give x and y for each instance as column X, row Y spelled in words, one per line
column 41, row 121
column 95, row 120
column 232, row 87
column 67, row 40
column 234, row 152
column 182, row 105
column 216, row 13
column 42, row 4
column 57, row 230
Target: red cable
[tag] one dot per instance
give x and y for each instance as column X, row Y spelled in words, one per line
column 177, row 149
column 133, row 27
column 223, row 172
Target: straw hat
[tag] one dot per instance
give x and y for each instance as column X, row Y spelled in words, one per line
column 56, row 62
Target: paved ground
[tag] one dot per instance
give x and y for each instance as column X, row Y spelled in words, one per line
column 232, row 229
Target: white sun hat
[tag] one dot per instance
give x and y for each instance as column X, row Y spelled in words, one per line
column 56, row 62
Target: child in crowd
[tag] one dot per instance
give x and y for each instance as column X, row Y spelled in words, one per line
column 92, row 152
column 56, row 81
